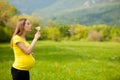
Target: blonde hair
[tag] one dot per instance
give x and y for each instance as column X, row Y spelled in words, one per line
column 19, row 28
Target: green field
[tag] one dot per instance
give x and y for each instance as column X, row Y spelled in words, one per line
column 68, row 60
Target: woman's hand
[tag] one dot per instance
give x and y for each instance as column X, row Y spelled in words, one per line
column 37, row 35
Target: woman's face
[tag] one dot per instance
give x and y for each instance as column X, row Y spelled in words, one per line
column 28, row 26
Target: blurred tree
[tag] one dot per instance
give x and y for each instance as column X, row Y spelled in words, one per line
column 64, row 29
column 104, row 30
column 51, row 23
column 115, row 33
column 6, row 11
column 3, row 35
column 94, row 35
column 78, row 32
column 53, row 33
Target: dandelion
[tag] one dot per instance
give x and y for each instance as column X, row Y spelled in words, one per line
column 38, row 28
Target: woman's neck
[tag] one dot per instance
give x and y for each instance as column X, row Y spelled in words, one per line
column 23, row 35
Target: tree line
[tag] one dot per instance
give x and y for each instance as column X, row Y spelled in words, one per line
column 54, row 31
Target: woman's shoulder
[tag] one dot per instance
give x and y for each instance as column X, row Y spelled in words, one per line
column 17, row 37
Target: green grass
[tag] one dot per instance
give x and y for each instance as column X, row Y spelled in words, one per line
column 68, row 60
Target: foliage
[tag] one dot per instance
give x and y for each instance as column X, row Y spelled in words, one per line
column 4, row 34
column 53, row 33
column 6, row 12
column 78, row 31
column 64, row 29
column 59, row 32
column 94, row 35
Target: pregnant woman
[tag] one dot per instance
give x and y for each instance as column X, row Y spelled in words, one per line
column 23, row 51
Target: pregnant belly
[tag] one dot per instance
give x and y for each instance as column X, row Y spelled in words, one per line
column 24, row 63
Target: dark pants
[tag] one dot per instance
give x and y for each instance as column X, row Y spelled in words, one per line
column 19, row 74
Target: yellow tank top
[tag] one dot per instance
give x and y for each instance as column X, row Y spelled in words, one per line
column 22, row 61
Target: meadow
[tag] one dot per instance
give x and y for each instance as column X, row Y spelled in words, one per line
column 68, row 60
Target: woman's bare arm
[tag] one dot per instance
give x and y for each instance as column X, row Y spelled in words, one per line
column 30, row 48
